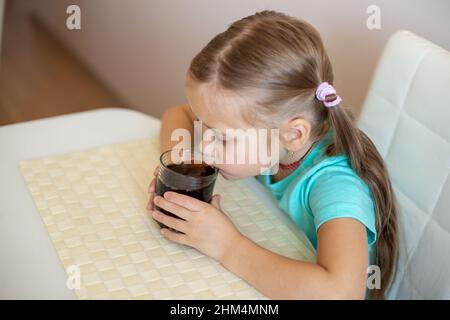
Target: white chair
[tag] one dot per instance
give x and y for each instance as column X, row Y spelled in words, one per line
column 407, row 115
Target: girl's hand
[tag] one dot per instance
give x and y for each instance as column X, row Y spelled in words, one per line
column 204, row 226
column 152, row 189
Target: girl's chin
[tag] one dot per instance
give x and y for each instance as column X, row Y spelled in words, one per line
column 228, row 176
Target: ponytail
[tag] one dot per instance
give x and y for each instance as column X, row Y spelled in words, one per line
column 369, row 165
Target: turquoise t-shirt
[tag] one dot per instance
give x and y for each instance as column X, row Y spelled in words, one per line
column 323, row 188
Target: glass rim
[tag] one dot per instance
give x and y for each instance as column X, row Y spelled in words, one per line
column 216, row 170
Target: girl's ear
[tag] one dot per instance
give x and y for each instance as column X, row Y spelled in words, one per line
column 295, row 134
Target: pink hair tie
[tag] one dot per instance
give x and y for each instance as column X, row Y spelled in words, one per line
column 325, row 89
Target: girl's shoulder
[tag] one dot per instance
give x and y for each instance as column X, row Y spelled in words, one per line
column 333, row 179
column 334, row 190
column 336, row 172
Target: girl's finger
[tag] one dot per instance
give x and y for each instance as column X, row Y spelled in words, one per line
column 175, row 236
column 171, row 222
column 173, row 208
column 151, row 186
column 150, row 201
column 152, row 189
column 187, row 202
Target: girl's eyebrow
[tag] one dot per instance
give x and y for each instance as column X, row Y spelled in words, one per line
column 197, row 119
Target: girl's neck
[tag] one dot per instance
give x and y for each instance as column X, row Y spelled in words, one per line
column 298, row 157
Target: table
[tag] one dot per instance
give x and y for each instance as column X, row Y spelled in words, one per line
column 29, row 265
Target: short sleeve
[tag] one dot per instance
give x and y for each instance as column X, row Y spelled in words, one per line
column 341, row 193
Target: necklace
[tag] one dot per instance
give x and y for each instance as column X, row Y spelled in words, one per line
column 290, row 166
column 294, row 165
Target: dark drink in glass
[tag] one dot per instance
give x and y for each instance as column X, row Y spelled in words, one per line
column 179, row 172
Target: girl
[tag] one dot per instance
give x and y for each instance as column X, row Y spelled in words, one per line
column 270, row 70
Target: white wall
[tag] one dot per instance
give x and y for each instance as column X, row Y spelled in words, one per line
column 143, row 48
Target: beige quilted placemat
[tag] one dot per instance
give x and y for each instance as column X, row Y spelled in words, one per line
column 93, row 205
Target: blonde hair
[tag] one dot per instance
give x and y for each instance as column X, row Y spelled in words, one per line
column 280, row 60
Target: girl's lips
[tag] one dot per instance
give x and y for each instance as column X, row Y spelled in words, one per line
column 224, row 174
column 228, row 176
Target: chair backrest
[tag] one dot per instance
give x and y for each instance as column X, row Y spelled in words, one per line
column 407, row 115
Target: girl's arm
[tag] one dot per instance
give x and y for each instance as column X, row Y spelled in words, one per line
column 176, row 117
column 340, row 271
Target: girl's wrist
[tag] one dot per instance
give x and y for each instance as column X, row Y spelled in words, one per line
column 233, row 249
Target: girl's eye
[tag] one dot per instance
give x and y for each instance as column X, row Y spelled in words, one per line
column 221, row 138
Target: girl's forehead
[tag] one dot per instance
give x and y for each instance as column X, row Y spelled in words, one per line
column 218, row 109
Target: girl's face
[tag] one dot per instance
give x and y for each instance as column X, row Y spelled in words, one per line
column 222, row 112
